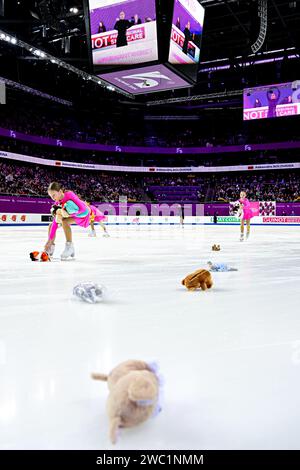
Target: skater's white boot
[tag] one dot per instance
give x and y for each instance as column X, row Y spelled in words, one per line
column 247, row 235
column 68, row 252
column 51, row 250
column 242, row 237
column 92, row 233
column 106, row 235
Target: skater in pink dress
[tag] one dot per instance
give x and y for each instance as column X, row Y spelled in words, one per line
column 246, row 214
column 72, row 210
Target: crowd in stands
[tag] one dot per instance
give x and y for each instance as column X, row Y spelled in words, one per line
column 68, row 124
column 268, row 186
column 31, row 180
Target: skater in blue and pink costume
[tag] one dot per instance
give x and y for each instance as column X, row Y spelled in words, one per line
column 72, row 210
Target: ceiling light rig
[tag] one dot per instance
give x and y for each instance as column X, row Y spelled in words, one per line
column 185, row 99
column 33, row 91
column 263, row 15
column 42, row 55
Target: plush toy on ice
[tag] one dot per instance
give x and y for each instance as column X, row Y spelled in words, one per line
column 134, row 388
column 200, row 279
column 216, row 247
column 89, row 292
column 219, row 267
column 37, row 256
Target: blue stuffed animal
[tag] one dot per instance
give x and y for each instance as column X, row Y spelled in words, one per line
column 219, row 267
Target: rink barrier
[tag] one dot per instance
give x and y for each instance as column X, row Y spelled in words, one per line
column 10, row 219
column 36, row 205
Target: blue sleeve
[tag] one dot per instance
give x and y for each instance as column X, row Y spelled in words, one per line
column 71, row 207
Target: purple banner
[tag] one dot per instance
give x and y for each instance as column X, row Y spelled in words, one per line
column 34, row 205
column 25, row 205
column 147, row 150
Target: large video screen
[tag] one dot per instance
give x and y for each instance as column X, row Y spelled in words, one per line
column 186, row 34
column 123, row 32
column 272, row 101
column 143, row 80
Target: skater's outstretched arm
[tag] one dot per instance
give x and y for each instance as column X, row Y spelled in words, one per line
column 53, row 230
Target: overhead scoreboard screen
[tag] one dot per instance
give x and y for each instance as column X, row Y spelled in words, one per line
column 123, row 32
column 272, row 101
column 143, row 46
column 186, row 33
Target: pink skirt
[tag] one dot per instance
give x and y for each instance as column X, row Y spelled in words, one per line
column 94, row 215
column 247, row 213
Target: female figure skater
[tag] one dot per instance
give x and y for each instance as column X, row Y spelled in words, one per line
column 246, row 214
column 73, row 211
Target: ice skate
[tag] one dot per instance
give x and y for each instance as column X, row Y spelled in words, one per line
column 68, row 252
column 51, row 250
column 92, row 233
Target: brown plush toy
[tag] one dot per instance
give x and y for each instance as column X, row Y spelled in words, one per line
column 199, row 279
column 134, row 395
column 216, row 247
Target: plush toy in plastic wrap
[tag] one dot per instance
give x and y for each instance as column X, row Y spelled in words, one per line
column 219, row 267
column 135, row 394
column 89, row 292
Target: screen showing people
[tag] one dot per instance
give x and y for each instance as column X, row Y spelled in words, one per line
column 123, row 32
column 187, row 26
column 272, row 101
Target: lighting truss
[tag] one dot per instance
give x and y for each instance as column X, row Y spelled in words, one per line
column 33, row 91
column 42, row 55
column 225, row 94
column 263, row 15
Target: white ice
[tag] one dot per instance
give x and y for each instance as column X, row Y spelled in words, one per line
column 230, row 356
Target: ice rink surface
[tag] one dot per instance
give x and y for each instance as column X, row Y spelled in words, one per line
column 230, row 356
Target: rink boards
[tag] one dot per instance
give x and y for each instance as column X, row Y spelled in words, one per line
column 18, row 219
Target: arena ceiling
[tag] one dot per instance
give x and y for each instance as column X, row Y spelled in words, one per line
column 58, row 27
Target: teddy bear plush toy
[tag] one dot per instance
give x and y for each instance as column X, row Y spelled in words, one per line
column 134, row 388
column 199, row 279
column 216, row 247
